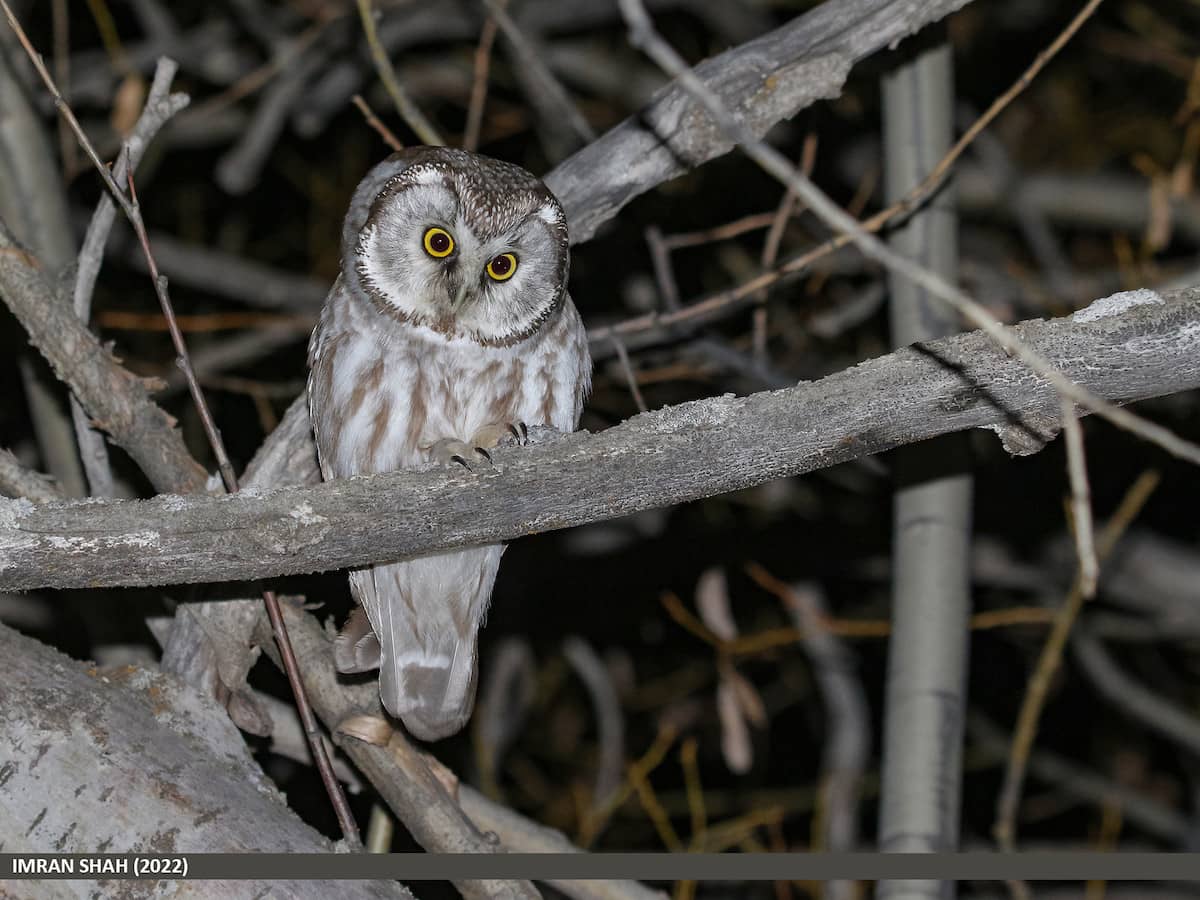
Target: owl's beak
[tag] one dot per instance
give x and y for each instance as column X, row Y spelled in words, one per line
column 460, row 295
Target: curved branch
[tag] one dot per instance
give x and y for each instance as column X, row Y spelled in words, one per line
column 765, row 81
column 1124, row 348
column 76, row 739
column 115, row 398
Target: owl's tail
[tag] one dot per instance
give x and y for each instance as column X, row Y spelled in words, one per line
column 426, row 614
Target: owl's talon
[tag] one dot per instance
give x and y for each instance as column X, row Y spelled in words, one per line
column 500, row 434
column 449, row 451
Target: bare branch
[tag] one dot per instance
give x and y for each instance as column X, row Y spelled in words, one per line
column 114, row 398
column 408, row 110
column 1123, row 348
column 160, row 106
column 564, row 124
column 132, row 209
column 18, row 481
column 76, row 738
column 848, row 744
column 643, row 35
column 400, row 772
column 765, row 80
column 610, row 723
column 1005, row 827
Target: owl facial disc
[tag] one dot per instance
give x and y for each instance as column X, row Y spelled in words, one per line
column 468, row 246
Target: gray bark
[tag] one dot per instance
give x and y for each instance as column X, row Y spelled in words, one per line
column 18, row 481
column 210, row 646
column 931, row 587
column 109, row 393
column 521, row 835
column 1123, row 348
column 161, row 104
column 398, row 770
column 127, row 761
column 33, row 202
column 764, row 81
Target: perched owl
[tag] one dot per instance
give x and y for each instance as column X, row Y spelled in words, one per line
column 448, row 328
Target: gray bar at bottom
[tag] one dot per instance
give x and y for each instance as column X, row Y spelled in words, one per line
column 1041, row 866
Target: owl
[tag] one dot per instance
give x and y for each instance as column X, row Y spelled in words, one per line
column 448, row 328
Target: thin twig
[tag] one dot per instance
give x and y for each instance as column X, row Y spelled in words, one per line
column 848, row 733
column 909, row 202
column 130, row 207
column 753, row 222
column 595, row 820
column 660, row 259
column 62, row 70
column 379, row 830
column 1004, row 829
column 375, row 122
column 695, row 792
column 160, row 106
column 183, row 360
column 774, row 638
column 654, row 810
column 408, row 110
column 553, row 94
column 508, row 684
column 610, row 723
column 1081, row 503
column 1175, row 721
column 643, row 36
column 630, row 376
column 770, row 251
column 479, row 82
column 254, row 81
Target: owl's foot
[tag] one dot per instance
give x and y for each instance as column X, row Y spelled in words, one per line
column 453, row 452
column 501, row 433
column 473, row 453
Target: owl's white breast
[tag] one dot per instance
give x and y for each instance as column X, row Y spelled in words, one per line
column 383, row 391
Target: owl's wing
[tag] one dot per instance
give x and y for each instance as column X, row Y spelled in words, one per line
column 426, row 614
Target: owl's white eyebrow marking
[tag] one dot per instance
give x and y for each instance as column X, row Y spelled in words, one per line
column 426, row 175
column 549, row 214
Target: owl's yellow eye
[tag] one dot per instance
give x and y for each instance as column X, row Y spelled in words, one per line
column 502, row 267
column 438, row 242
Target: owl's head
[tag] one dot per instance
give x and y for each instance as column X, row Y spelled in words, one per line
column 467, row 245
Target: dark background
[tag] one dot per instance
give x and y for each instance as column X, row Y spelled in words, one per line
column 1114, row 105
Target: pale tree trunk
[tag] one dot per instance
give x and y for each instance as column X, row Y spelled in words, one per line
column 129, row 760
column 926, row 682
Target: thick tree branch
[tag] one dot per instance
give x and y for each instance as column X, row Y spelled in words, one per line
column 399, row 771
column 1123, row 348
column 465, row 823
column 76, row 739
column 18, row 481
column 33, row 203
column 115, row 399
column 764, row 81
